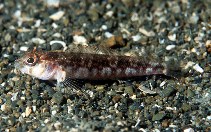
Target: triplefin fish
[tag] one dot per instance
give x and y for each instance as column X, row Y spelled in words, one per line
column 89, row 63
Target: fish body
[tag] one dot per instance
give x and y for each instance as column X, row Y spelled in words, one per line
column 86, row 64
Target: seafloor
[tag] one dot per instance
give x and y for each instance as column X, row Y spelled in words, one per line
column 173, row 31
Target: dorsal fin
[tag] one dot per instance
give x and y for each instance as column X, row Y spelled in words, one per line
column 99, row 49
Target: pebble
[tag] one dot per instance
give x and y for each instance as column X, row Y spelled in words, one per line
column 56, row 45
column 167, row 91
column 172, row 37
column 108, row 35
column 146, row 33
column 129, row 90
column 186, row 107
column 57, row 98
column 57, row 16
column 52, row 3
column 113, row 41
column 194, row 18
column 79, row 40
column 158, row 116
column 136, row 38
column 170, row 47
column 38, row 40
column 28, row 111
column 198, row 68
column 208, row 45
column 188, row 130
column 146, row 90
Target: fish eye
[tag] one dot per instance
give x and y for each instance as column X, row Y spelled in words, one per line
column 30, row 60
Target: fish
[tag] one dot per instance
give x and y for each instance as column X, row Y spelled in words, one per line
column 86, row 63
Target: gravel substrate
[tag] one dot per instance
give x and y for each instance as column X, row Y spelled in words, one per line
column 173, row 31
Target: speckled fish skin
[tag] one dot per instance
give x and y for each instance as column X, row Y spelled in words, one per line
column 54, row 65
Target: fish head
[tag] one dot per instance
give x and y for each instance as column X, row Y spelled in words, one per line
column 33, row 64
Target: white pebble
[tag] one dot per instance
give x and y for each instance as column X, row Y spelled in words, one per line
column 54, row 25
column 46, row 121
column 60, row 42
column 109, row 13
column 146, row 33
column 52, row 3
column 38, row 40
column 170, row 47
column 108, row 35
column 17, row 14
column 28, row 111
column 189, row 64
column 14, row 96
column 56, row 16
column 188, row 130
column 24, row 48
column 104, row 27
column 37, row 23
column 172, row 37
column 3, row 107
column 136, row 38
column 34, row 108
column 79, row 40
column 209, row 117
column 1, row 6
column 134, row 17
column 198, row 68
column 162, row 83
column 53, row 112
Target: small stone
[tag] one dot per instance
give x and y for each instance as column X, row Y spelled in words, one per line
column 55, row 45
column 38, row 40
column 113, row 41
column 52, row 3
column 194, row 18
column 146, row 33
column 56, row 16
column 108, row 34
column 116, row 98
column 188, row 130
column 7, row 38
column 129, row 90
column 208, row 45
column 28, row 111
column 57, row 97
column 190, row 93
column 57, row 125
column 79, row 40
column 170, row 47
column 158, row 116
column 109, row 13
column 167, row 91
column 165, row 123
column 198, row 68
column 146, row 90
column 134, row 17
column 172, row 37
column 186, row 107
column 11, row 121
column 136, row 38
column 24, row 48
